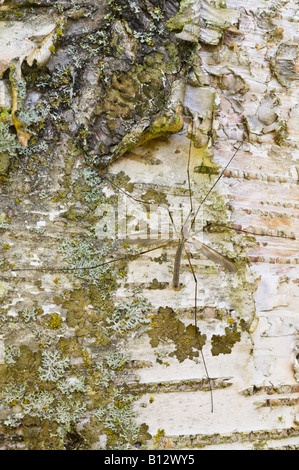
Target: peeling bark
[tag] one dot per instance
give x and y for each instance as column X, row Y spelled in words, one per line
column 96, row 96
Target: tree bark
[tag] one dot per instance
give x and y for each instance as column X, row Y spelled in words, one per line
column 104, row 107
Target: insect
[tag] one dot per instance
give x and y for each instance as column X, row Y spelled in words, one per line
column 184, row 235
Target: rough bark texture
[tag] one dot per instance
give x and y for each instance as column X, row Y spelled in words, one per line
column 109, row 357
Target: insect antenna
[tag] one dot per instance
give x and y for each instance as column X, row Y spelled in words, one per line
column 96, row 266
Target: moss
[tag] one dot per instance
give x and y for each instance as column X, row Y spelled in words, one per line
column 178, row 22
column 207, row 166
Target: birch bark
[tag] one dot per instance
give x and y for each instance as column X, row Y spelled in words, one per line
column 107, row 357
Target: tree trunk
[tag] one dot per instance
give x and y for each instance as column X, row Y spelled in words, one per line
column 115, row 116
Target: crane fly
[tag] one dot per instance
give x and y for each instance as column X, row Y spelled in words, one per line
column 185, row 237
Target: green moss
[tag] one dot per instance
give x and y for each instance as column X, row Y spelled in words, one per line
column 206, row 169
column 178, row 22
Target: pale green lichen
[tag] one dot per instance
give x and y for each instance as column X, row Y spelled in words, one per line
column 8, row 141
column 67, row 413
column 4, row 286
column 12, row 422
column 52, row 366
column 4, row 224
column 128, row 315
column 87, row 261
column 120, row 421
column 11, row 353
column 106, row 376
column 44, row 405
column 30, row 314
column 13, row 393
column 39, row 404
column 116, row 360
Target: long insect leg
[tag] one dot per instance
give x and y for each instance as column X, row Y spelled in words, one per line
column 88, row 268
column 175, row 280
column 195, row 324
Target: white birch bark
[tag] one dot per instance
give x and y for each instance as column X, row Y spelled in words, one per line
column 77, row 364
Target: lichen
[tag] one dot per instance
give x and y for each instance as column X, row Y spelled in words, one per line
column 65, row 383
column 223, row 344
column 55, row 321
column 86, row 260
column 128, row 315
column 8, row 147
column 115, row 360
column 3, row 287
column 29, row 314
column 187, row 340
column 52, row 366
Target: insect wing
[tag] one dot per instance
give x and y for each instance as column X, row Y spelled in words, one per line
column 214, row 255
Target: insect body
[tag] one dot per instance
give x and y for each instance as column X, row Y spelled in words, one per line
column 185, row 235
